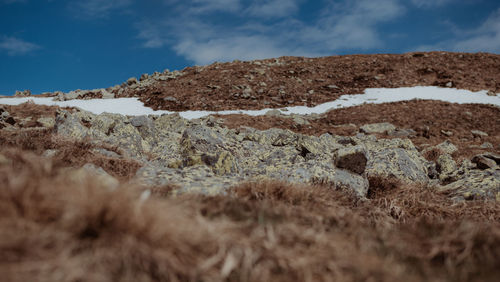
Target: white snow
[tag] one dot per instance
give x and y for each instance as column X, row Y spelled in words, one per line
column 134, row 107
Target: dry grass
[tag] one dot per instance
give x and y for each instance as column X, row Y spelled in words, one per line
column 52, row 229
column 74, row 153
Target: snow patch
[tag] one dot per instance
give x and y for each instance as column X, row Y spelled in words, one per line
column 134, row 107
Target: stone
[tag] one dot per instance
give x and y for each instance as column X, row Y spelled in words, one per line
column 491, row 93
column 144, row 76
column 332, row 86
column 71, row 95
column 446, row 147
column 486, row 145
column 140, row 121
column 396, row 163
column 49, row 153
column 300, row 120
column 484, row 162
column 171, row 99
column 47, row 122
column 447, row 133
column 449, row 84
column 131, row 81
column 107, row 95
column 479, row 133
column 379, row 128
column 25, row 93
column 351, row 158
column 273, row 113
column 445, row 166
column 475, row 184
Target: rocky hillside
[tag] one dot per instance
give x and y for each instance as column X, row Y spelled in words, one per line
column 406, row 190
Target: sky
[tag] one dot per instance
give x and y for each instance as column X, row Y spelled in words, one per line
column 63, row 45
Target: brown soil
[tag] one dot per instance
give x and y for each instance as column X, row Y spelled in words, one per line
column 52, row 229
column 288, row 81
column 427, row 118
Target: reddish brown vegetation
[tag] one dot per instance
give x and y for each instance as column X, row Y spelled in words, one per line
column 221, row 86
column 68, row 152
column 52, row 229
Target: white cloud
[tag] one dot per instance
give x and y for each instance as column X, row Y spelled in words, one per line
column 430, row 3
column 273, row 8
column 485, row 38
column 97, row 8
column 351, row 24
column 14, row 46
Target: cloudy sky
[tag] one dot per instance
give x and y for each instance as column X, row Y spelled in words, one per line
column 49, row 45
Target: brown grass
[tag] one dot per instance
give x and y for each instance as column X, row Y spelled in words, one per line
column 53, row 229
column 69, row 152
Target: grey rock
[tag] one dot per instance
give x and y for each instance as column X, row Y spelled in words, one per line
column 380, row 128
column 483, row 162
column 132, row 81
column 445, row 166
column 476, row 184
column 171, row 99
column 140, row 121
column 486, row 145
column 107, row 95
column 479, row 133
column 396, row 163
column 48, row 122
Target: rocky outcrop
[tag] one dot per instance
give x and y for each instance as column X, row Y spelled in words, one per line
column 204, row 156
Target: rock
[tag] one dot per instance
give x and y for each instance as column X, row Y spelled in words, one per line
column 140, row 121
column 492, row 156
column 171, row 99
column 479, row 133
column 49, row 153
column 446, row 147
column 447, row 133
column 484, row 162
column 402, row 133
column 332, row 86
column 71, row 95
column 396, row 163
column 48, row 122
column 491, row 93
column 10, row 120
column 380, row 128
column 476, row 184
column 449, row 84
column 351, row 158
column 131, row 81
column 273, row 113
column 300, row 120
column 486, row 145
column 445, row 166
column 144, row 76
column 25, row 93
column 107, row 95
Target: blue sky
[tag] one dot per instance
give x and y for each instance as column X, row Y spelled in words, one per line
column 49, row 45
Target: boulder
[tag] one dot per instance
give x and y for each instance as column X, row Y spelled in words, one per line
column 396, row 163
column 476, row 184
column 379, row 128
column 479, row 133
column 485, row 161
column 48, row 122
column 445, row 166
